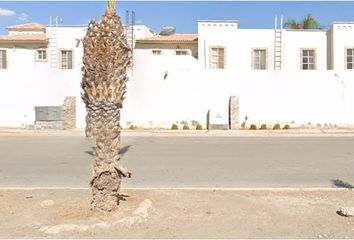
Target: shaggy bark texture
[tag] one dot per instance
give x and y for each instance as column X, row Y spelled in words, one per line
column 106, row 59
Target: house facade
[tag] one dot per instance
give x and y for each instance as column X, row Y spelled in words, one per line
column 298, row 77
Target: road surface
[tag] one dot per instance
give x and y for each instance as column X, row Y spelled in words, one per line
column 184, row 161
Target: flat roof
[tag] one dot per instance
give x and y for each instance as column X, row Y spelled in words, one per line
column 174, row 38
column 218, row 21
column 343, row 22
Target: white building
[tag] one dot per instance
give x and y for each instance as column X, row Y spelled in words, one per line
column 39, row 66
column 286, row 76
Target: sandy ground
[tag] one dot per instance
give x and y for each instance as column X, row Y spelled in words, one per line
column 178, row 213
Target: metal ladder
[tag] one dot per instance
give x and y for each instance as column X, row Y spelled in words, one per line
column 278, row 40
column 53, row 48
column 53, row 45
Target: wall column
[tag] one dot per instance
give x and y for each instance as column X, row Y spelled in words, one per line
column 69, row 113
column 234, row 112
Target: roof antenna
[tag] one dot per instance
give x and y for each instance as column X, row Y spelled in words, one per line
column 57, row 20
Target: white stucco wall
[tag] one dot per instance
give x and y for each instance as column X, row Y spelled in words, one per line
column 28, row 83
column 295, row 40
column 189, row 92
column 291, row 95
column 169, row 88
column 343, row 37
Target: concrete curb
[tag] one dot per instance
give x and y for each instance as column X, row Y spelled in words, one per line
column 190, row 188
column 8, row 132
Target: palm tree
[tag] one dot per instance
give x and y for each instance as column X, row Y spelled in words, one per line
column 308, row 22
column 106, row 60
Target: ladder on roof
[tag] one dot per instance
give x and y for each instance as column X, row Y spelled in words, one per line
column 278, row 42
column 53, row 44
column 53, row 47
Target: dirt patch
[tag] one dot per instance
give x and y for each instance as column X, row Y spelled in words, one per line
column 177, row 214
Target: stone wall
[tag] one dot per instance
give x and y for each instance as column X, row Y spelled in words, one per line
column 234, row 112
column 69, row 113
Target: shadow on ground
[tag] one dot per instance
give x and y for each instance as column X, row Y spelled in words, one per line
column 341, row 184
column 122, row 151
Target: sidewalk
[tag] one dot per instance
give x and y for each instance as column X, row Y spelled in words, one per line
column 188, row 133
column 178, row 213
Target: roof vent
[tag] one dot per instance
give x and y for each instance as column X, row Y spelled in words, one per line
column 166, row 31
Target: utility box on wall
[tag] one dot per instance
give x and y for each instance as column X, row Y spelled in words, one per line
column 48, row 116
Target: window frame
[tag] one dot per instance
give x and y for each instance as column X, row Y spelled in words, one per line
column 46, row 55
column 156, row 50
column 346, row 58
column 302, row 58
column 61, row 58
column 253, row 56
column 210, row 57
column 6, row 59
column 187, row 51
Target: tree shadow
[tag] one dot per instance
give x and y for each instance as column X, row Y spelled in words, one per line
column 122, row 151
column 123, row 197
column 341, row 184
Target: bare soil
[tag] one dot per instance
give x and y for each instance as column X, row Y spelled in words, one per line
column 177, row 213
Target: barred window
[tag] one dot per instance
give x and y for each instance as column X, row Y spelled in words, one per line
column 259, row 59
column 66, row 59
column 156, row 52
column 308, row 59
column 182, row 52
column 41, row 55
column 217, row 58
column 349, row 58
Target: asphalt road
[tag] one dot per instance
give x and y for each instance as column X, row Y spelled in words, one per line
column 184, row 161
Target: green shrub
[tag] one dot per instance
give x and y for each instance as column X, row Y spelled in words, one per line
column 199, row 127
column 132, row 127
column 263, row 126
column 174, row 127
column 276, row 126
column 287, row 126
column 185, row 127
column 253, row 127
column 243, row 124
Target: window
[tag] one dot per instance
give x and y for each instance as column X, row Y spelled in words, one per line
column 349, row 58
column 182, row 52
column 3, row 59
column 66, row 59
column 41, row 55
column 156, row 52
column 217, row 58
column 259, row 59
column 308, row 59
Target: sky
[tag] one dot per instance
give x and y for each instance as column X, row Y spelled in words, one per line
column 182, row 15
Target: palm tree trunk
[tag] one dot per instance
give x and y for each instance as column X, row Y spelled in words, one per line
column 89, row 122
column 106, row 59
column 107, row 171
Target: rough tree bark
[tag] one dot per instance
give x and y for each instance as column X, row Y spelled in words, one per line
column 106, row 59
